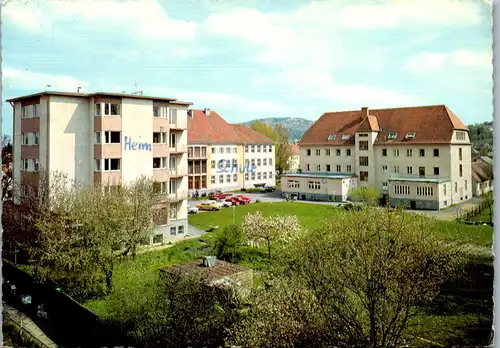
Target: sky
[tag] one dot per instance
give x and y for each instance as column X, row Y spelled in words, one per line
column 255, row 59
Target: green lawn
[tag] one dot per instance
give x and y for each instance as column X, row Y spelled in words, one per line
column 134, row 277
column 484, row 215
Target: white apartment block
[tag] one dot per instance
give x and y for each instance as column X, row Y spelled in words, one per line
column 224, row 156
column 106, row 139
column 416, row 156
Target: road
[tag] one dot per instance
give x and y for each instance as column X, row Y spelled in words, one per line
column 445, row 214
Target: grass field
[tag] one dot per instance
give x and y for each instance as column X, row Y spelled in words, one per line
column 484, row 215
column 134, row 277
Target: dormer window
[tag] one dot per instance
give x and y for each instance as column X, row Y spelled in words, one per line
column 410, row 135
column 331, row 136
column 345, row 136
column 392, row 136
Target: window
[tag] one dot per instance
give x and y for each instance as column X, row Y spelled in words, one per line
column 253, row 162
column 228, row 150
column 409, row 152
column 173, row 231
column 363, row 176
column 348, row 152
column 264, row 161
column 258, row 162
column 401, row 190
column 345, row 136
column 363, row 145
column 318, row 152
column 264, row 175
column 221, row 179
column 314, row 185
column 160, row 162
column 98, row 109
column 392, row 136
column 331, row 137
column 173, row 212
column 460, row 170
column 228, row 178
column 235, row 150
column 425, row 191
column 465, row 185
column 172, row 115
column 384, row 152
column 270, row 161
column 111, row 164
column 264, row 148
column 444, row 189
column 25, row 138
column 246, row 148
column 270, row 175
column 318, row 167
column 339, row 168
column 436, row 170
column 327, row 152
column 308, row 152
column 36, row 138
column 396, row 169
column 158, row 239
column 258, row 148
column 107, row 137
column 110, row 109
column 252, row 148
column 363, row 135
column 156, row 111
column 385, row 186
column 436, row 152
column 213, row 179
column 213, row 164
column 348, row 168
column 421, row 171
column 270, row 148
column 456, row 187
column 259, row 176
column 180, row 229
column 328, row 168
column 384, row 169
column 460, row 136
column 246, row 176
column 363, row 161
column 422, row 152
column 253, row 176
column 213, row 149
column 221, row 150
column 308, row 167
column 293, row 184
column 396, row 152
column 460, row 154
column 410, row 135
column 409, row 170
column 337, row 152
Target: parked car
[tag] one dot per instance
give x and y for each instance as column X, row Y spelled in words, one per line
column 192, row 209
column 233, row 200
column 268, row 189
column 216, row 203
column 207, row 206
column 244, row 198
column 225, row 203
column 218, row 195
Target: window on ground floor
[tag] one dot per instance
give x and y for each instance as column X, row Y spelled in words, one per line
column 314, row 185
column 425, row 191
column 402, row 190
column 235, row 177
column 173, row 230
column 111, row 164
column 180, row 230
column 293, row 184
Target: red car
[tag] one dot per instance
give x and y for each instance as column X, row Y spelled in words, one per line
column 244, row 199
column 219, row 195
column 233, row 200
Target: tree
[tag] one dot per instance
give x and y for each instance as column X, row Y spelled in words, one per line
column 360, row 277
column 283, row 149
column 227, row 242
column 6, row 167
column 367, row 195
column 489, row 201
column 264, row 129
column 259, row 229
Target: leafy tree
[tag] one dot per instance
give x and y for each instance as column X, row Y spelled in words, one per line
column 227, row 242
column 489, row 201
column 352, row 283
column 6, row 167
column 367, row 195
column 281, row 136
column 259, row 229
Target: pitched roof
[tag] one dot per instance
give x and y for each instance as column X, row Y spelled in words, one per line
column 431, row 124
column 208, row 127
column 220, row 270
column 481, row 172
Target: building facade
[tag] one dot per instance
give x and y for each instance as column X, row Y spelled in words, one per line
column 294, row 157
column 230, row 156
column 482, row 175
column 105, row 139
column 416, row 156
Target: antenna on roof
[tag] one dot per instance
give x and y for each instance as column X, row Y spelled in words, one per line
column 49, row 86
column 136, row 91
column 78, row 89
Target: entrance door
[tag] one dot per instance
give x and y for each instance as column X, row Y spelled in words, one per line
column 413, row 205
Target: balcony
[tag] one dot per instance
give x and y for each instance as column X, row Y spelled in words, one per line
column 179, row 195
column 160, row 150
column 177, row 172
column 177, row 148
column 179, row 123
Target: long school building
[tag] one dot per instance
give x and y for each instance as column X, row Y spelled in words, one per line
column 416, row 156
column 105, row 138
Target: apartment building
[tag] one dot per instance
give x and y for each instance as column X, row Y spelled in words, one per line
column 226, row 156
column 416, row 156
column 105, row 139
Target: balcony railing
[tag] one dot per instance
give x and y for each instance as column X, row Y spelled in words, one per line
column 178, row 195
column 178, row 123
column 178, row 148
column 195, row 156
column 177, row 172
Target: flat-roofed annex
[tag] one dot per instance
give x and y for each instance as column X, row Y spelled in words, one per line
column 95, row 94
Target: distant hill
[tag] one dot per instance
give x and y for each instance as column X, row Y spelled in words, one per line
column 295, row 125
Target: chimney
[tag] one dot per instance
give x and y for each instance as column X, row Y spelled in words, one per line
column 364, row 112
column 207, row 111
column 209, row 261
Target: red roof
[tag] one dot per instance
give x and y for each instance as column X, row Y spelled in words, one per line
column 431, row 124
column 208, row 127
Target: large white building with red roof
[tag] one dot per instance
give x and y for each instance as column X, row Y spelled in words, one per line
column 416, row 156
column 226, row 156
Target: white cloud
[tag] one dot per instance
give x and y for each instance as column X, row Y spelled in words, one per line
column 139, row 19
column 428, row 62
column 21, row 79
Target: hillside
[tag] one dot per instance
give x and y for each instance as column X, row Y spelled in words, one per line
column 295, row 125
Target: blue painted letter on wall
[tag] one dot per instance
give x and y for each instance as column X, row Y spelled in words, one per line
column 128, row 144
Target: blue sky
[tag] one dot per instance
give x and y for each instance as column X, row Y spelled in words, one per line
column 255, row 59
